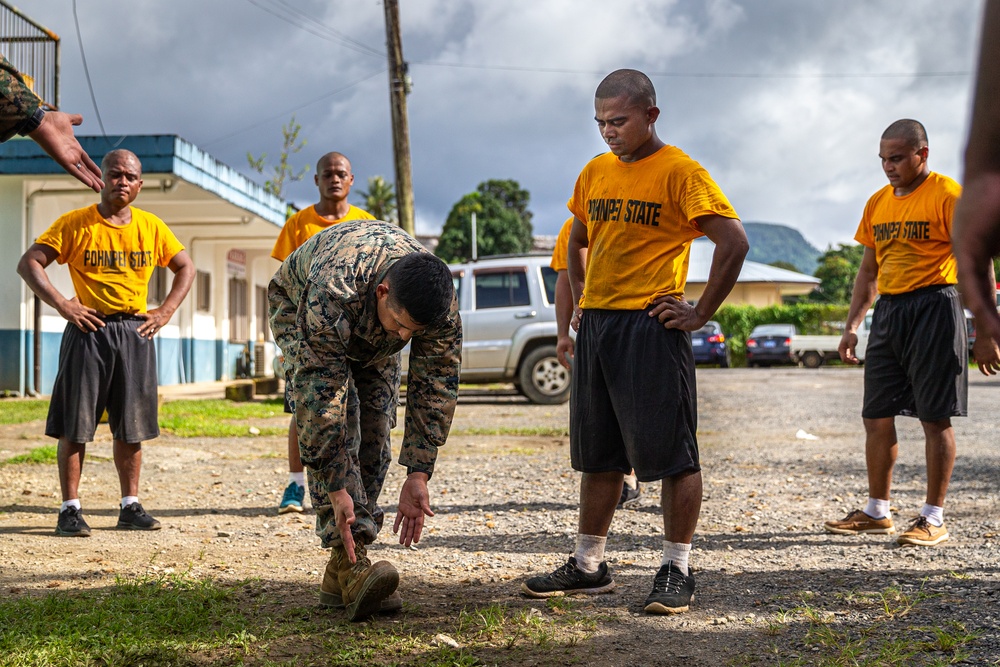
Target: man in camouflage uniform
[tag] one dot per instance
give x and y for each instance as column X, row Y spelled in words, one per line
column 21, row 113
column 342, row 307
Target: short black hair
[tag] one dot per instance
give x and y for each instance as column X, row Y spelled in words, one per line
column 909, row 130
column 421, row 284
column 631, row 83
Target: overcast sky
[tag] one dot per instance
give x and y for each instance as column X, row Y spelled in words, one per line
column 783, row 101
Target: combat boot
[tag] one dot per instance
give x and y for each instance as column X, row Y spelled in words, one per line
column 361, row 588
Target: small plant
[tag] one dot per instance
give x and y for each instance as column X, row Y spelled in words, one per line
column 40, row 455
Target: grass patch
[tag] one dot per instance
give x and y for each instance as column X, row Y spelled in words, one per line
column 219, row 418
column 179, row 620
column 204, row 418
column 44, row 454
column 890, row 641
column 22, row 411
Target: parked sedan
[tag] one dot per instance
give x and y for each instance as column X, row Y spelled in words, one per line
column 770, row 344
column 709, row 345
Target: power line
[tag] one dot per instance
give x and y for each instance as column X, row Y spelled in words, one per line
column 701, row 75
column 90, row 85
column 295, row 109
column 307, row 23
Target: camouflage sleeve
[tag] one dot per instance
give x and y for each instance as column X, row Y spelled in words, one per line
column 312, row 339
column 431, row 393
column 17, row 103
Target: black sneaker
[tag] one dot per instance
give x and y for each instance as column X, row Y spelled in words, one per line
column 71, row 523
column 630, row 495
column 133, row 517
column 672, row 591
column 569, row 579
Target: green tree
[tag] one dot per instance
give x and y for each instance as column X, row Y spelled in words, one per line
column 379, row 199
column 838, row 267
column 282, row 172
column 781, row 264
column 503, row 222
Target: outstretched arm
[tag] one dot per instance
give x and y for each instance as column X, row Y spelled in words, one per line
column 55, row 135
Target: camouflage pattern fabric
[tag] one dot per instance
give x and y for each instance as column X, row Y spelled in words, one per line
column 17, row 102
column 324, row 318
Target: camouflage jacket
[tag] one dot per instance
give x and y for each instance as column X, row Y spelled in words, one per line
column 324, row 318
column 17, row 102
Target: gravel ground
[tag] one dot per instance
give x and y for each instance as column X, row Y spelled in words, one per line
column 768, row 577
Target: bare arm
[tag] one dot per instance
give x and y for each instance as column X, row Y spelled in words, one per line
column 184, row 272
column 976, row 234
column 55, row 135
column 731, row 247
column 576, row 260
column 862, row 298
column 564, row 313
column 32, row 267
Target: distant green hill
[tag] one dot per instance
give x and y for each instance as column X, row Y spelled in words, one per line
column 772, row 243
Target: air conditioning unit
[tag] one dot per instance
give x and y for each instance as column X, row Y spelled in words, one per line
column 259, row 360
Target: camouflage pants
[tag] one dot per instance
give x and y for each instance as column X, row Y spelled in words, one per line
column 372, row 396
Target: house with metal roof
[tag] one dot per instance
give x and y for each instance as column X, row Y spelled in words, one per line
column 226, row 222
column 758, row 285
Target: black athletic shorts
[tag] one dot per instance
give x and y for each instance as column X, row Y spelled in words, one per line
column 113, row 369
column 634, row 403
column 916, row 362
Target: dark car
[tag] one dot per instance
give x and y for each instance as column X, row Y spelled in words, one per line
column 709, row 345
column 770, row 344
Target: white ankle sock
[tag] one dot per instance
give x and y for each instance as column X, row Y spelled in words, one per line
column 128, row 500
column 934, row 514
column 590, row 552
column 877, row 508
column 678, row 553
column 297, row 477
column 70, row 503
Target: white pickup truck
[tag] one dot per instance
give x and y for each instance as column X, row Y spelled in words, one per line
column 814, row 351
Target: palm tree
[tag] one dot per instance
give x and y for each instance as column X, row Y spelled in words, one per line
column 380, row 199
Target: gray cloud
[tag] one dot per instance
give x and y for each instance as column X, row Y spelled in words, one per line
column 751, row 89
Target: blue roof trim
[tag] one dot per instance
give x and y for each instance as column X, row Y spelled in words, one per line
column 159, row 154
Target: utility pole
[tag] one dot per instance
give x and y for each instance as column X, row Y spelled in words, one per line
column 399, row 87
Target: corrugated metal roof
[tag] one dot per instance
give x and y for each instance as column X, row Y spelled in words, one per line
column 752, row 272
column 159, row 154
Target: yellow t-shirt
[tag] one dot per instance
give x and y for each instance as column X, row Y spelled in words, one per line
column 911, row 235
column 561, row 251
column 111, row 265
column 300, row 227
column 640, row 219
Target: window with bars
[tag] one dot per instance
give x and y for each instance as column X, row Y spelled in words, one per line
column 239, row 320
column 157, row 287
column 263, row 329
column 203, row 291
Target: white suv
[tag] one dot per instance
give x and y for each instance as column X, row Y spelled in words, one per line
column 509, row 326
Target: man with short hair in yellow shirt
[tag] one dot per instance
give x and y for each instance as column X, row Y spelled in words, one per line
column 916, row 361
column 107, row 359
column 637, row 209
column 333, row 180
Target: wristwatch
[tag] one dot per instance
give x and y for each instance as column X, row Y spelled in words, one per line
column 32, row 123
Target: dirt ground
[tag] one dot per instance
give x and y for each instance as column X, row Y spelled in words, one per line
column 782, row 451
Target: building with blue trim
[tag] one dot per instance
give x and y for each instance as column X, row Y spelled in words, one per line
column 227, row 223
